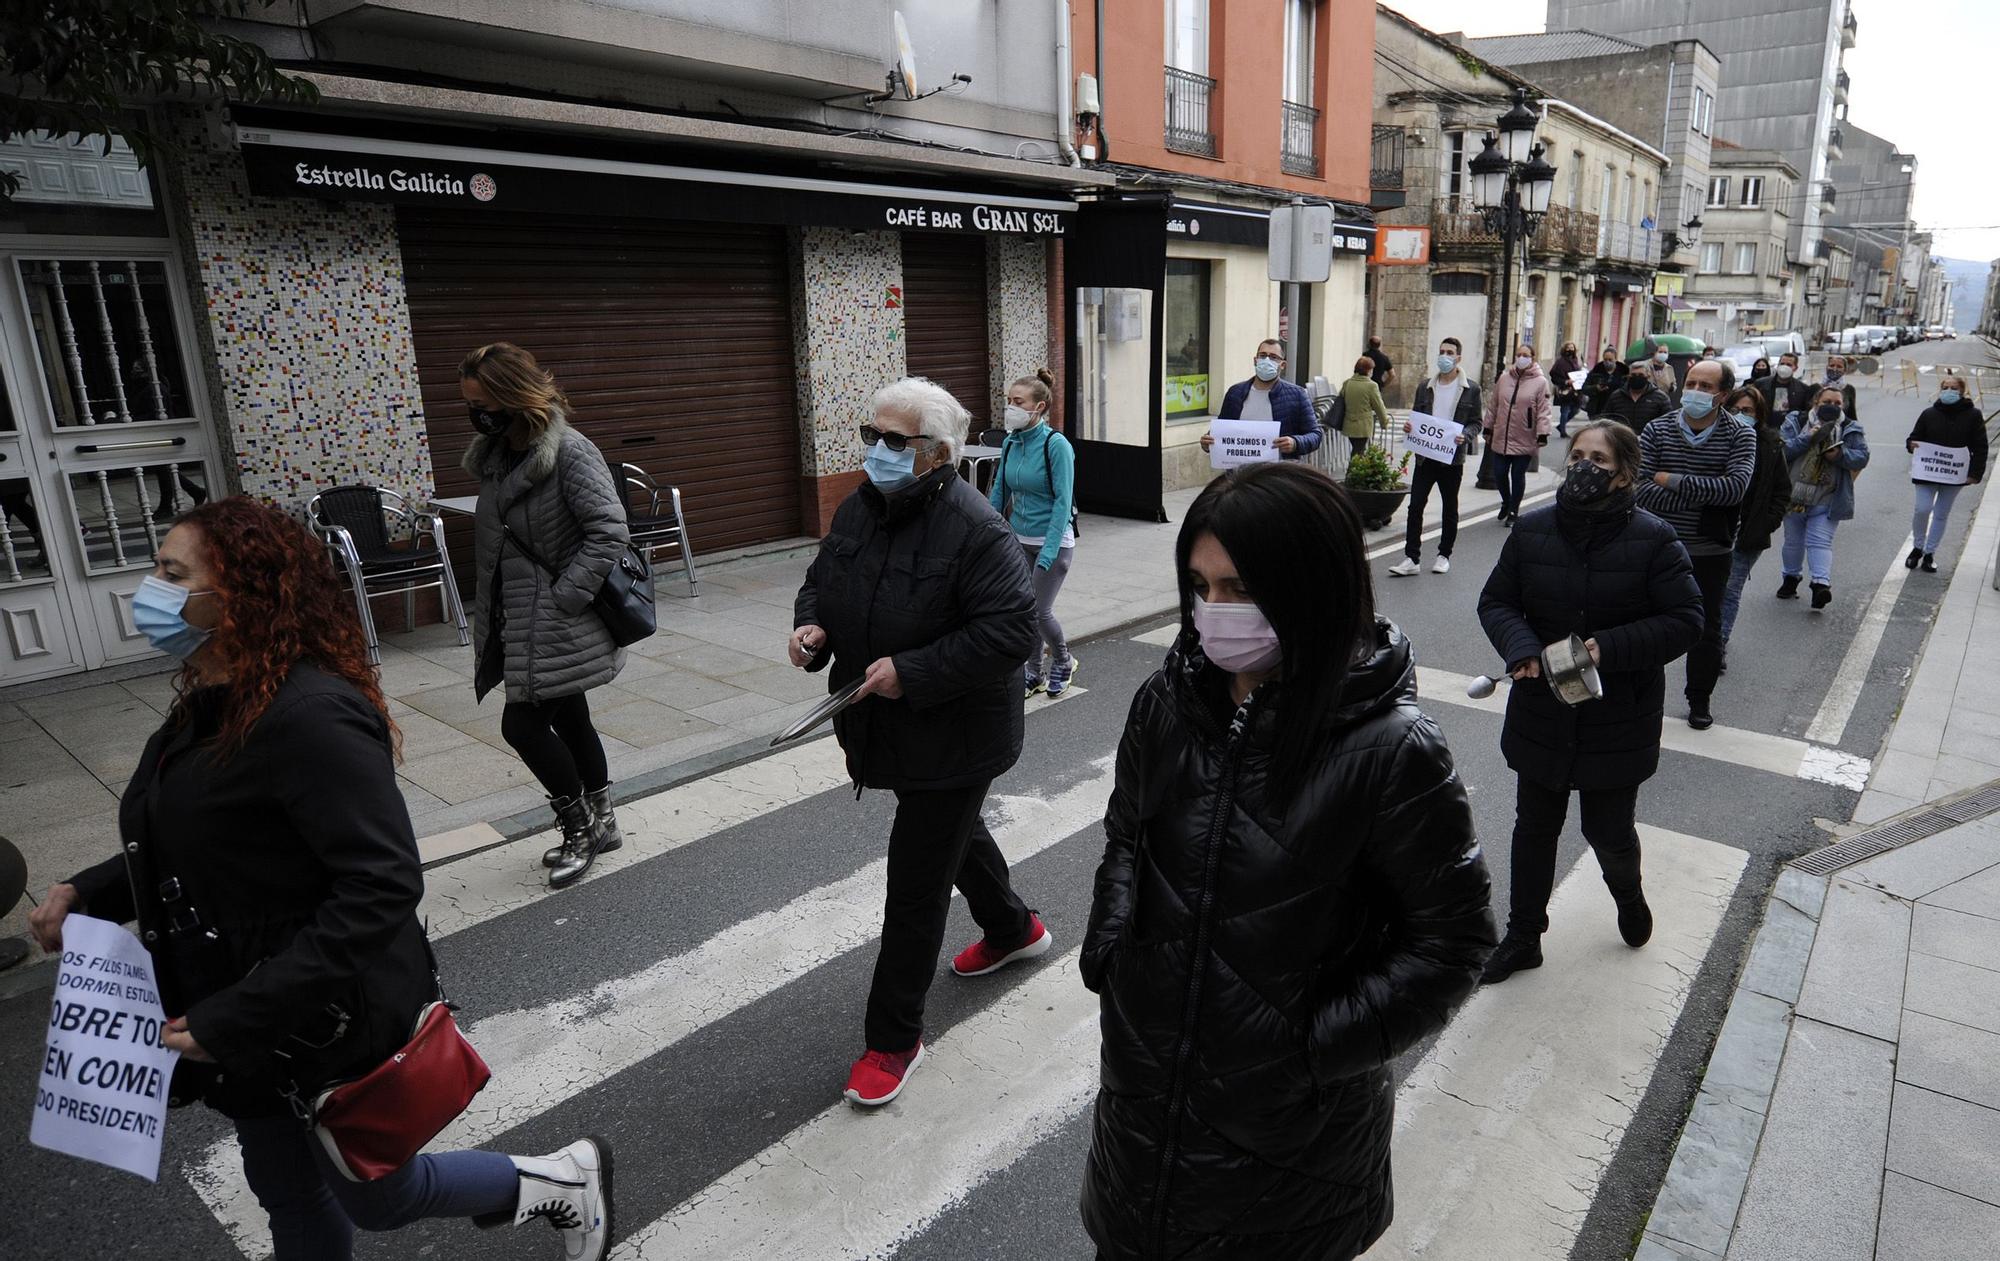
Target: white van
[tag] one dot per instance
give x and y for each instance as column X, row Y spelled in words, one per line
column 1775, row 344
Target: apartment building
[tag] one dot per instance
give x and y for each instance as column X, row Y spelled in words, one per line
column 1588, row 271
column 1744, row 281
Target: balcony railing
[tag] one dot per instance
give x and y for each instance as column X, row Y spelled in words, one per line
column 1827, row 196
column 1840, row 86
column 1301, row 140
column 1386, row 181
column 1624, row 243
column 1847, row 28
column 1834, row 139
column 1562, row 231
column 1188, row 127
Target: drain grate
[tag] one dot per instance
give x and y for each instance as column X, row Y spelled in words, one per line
column 1880, row 840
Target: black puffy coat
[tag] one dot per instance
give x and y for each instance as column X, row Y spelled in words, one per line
column 1630, row 587
column 296, row 853
column 1262, row 952
column 1956, row 425
column 932, row 577
column 1635, row 413
column 1770, row 493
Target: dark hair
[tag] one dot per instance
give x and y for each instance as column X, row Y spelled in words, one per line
column 1364, row 365
column 1273, row 341
column 1624, row 442
column 1298, row 545
column 1452, row 342
column 1375, row 341
column 1792, row 355
column 1756, row 402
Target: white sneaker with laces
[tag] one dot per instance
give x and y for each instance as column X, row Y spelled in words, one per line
column 571, row 1191
column 1442, row 565
column 1405, row 568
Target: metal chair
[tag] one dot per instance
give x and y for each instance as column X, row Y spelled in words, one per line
column 355, row 524
column 650, row 526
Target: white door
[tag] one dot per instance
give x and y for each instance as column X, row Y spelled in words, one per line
column 1460, row 315
column 103, row 440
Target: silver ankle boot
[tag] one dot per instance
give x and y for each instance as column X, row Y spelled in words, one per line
column 603, row 818
column 579, row 845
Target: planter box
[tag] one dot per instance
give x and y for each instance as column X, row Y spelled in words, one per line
column 1377, row 506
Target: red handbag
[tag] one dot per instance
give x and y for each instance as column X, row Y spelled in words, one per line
column 374, row 1125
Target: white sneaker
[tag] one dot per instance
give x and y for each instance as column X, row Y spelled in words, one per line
column 1442, row 565
column 1405, row 568
column 571, row 1191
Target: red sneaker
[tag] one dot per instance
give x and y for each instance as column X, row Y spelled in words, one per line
column 983, row 956
column 878, row 1076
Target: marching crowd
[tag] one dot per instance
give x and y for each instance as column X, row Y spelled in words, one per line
column 1290, row 895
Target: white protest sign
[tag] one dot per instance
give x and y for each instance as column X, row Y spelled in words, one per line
column 1240, row 442
column 1432, row 437
column 103, row 1093
column 1576, row 380
column 1944, row 466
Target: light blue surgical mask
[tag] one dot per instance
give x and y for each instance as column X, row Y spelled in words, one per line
column 156, row 613
column 1949, row 397
column 890, row 470
column 1696, row 404
column 1447, row 363
column 1267, row 369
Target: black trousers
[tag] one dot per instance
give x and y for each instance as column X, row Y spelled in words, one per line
column 1446, row 477
column 1711, row 574
column 937, row 841
column 558, row 743
column 1539, row 814
column 1355, row 446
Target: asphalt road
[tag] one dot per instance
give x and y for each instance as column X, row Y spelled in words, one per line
column 736, row 1085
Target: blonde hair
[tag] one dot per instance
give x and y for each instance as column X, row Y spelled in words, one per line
column 1040, row 385
column 517, row 384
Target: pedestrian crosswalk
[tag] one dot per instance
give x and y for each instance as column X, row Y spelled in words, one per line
column 1518, row 1097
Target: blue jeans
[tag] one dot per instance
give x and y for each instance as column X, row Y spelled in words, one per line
column 1510, row 475
column 314, row 1209
column 1565, row 414
column 1932, row 515
column 1809, row 536
column 1740, row 565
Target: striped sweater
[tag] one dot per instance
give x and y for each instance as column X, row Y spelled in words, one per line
column 1706, row 479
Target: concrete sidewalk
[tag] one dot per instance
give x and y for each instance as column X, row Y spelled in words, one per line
column 709, row 690
column 1851, row 1107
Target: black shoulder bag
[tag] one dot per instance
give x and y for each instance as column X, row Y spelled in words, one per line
column 624, row 601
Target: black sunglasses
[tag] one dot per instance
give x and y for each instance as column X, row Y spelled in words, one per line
column 870, row 435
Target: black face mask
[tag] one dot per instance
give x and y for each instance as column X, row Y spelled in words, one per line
column 1584, row 483
column 490, row 423
column 1828, row 413
column 1637, row 384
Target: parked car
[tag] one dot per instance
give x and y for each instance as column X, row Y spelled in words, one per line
column 1879, row 339
column 1851, row 341
column 1934, row 333
column 1742, row 357
column 1781, row 343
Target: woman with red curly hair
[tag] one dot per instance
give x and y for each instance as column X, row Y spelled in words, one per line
column 268, row 859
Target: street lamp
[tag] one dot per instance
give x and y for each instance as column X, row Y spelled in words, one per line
column 1511, row 187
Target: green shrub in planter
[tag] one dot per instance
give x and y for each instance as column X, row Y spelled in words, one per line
column 1371, row 470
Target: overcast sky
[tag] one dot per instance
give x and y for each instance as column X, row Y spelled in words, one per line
column 1922, row 77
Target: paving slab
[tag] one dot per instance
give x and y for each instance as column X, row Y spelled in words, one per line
column 1915, row 871
column 1921, row 1222
column 1975, row 895
column 1950, row 1058
column 1780, row 952
column 1946, row 1142
column 1855, row 979
column 1948, row 934
column 1816, row 1185
column 1954, row 991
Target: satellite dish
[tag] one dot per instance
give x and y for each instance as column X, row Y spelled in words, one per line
column 903, row 79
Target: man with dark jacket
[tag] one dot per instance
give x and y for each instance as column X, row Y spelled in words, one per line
column 920, row 594
column 1450, row 395
column 1268, row 396
column 1606, row 375
column 1695, row 467
column 1637, row 403
column 1783, row 392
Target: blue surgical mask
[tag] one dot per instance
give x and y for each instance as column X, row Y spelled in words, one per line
column 156, row 613
column 1267, row 369
column 1949, row 397
column 1695, row 404
column 1446, row 363
column 890, row 470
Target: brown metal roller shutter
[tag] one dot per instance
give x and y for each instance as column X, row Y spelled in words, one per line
column 673, row 341
column 944, row 309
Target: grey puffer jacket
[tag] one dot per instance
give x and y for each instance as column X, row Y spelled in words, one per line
column 560, row 500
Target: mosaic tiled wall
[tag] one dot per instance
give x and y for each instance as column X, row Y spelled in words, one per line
column 308, row 331
column 1017, row 310
column 847, row 325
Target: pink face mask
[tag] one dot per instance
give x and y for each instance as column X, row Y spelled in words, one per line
column 1236, row 637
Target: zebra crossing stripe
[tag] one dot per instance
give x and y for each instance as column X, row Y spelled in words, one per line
column 852, row 1184
column 1505, row 1129
column 542, row 1055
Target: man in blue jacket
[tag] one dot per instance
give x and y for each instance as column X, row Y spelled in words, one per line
column 1268, row 396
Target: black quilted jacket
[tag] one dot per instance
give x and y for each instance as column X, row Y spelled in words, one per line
column 1634, row 591
column 1262, row 951
column 932, row 577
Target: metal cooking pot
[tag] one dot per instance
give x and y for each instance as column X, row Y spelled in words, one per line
column 1572, row 676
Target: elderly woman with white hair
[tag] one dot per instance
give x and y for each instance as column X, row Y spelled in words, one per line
column 920, row 591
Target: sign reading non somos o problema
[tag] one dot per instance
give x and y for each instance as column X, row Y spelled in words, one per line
column 105, row 1073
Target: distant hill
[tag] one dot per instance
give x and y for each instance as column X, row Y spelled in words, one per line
column 1968, row 289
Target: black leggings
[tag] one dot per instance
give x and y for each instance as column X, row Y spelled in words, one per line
column 558, row 743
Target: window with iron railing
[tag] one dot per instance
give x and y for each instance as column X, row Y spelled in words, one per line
column 1301, row 141
column 1385, row 157
column 1189, row 100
